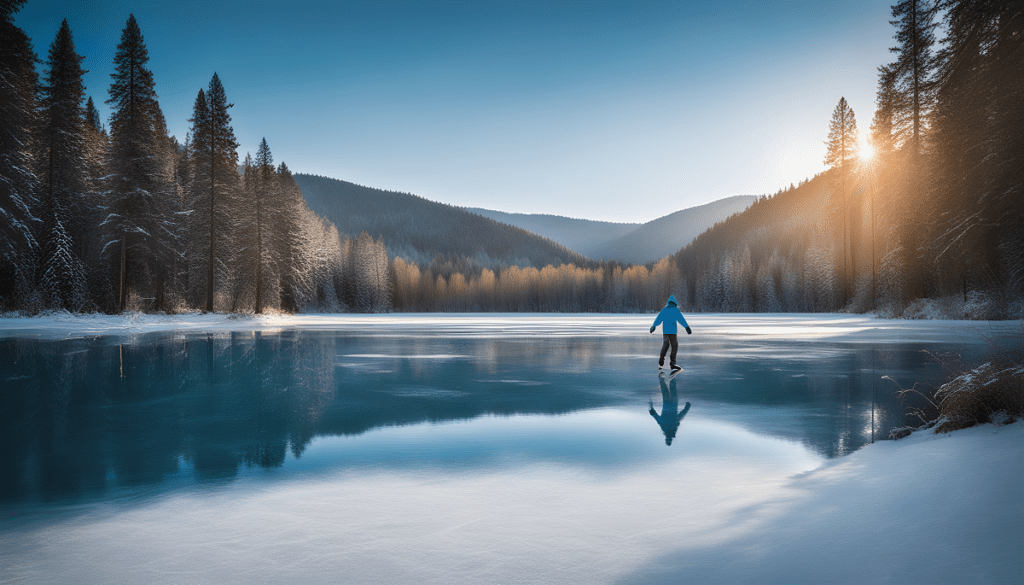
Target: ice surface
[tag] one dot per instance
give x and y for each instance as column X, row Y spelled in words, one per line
column 492, row 449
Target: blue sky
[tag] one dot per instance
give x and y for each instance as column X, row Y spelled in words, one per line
column 616, row 111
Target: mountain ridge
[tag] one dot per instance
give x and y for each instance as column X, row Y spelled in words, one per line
column 426, row 231
column 631, row 243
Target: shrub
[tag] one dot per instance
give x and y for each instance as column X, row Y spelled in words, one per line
column 991, row 393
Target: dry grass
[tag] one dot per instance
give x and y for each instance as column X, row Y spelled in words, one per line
column 990, row 393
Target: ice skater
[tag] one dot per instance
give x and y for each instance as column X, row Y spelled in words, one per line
column 668, row 318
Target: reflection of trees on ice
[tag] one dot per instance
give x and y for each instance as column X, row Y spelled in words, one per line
column 137, row 409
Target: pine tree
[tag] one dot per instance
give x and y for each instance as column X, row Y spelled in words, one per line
column 887, row 101
column 962, row 148
column 62, row 278
column 63, row 171
column 139, row 220
column 19, row 249
column 841, row 150
column 842, row 136
column 913, row 69
column 214, row 181
column 197, row 202
column 266, row 184
column 1006, row 75
column 223, row 167
column 285, row 227
column 92, row 116
column 240, row 236
column 97, row 146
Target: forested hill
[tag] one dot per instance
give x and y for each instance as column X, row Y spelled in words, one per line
column 576, row 234
column 665, row 235
column 423, row 231
column 777, row 255
column 631, row 243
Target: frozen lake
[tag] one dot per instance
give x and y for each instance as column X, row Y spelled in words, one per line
column 426, row 448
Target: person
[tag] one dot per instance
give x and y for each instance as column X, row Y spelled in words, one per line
column 668, row 318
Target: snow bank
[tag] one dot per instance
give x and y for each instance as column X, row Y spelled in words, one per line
column 981, row 305
column 926, row 509
column 706, row 327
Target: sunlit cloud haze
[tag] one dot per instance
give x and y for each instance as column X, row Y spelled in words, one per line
column 606, row 111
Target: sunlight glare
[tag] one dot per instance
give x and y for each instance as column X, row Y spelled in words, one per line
column 865, row 151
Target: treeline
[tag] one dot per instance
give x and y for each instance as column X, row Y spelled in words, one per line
column 131, row 219
column 938, row 211
column 609, row 287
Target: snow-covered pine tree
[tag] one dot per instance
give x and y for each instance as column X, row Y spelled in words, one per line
column 63, row 171
column 62, row 277
column 214, row 180
column 373, row 278
column 267, row 190
column 284, row 226
column 18, row 247
column 197, row 204
column 363, row 265
column 317, row 262
column 139, row 222
column 241, row 252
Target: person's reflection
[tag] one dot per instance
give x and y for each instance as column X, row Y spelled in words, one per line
column 670, row 413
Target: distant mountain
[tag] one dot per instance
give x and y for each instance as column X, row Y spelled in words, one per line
column 423, row 231
column 575, row 234
column 666, row 235
column 626, row 242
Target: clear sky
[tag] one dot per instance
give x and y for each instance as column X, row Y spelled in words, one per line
column 620, row 111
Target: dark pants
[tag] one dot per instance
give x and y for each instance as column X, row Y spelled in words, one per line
column 670, row 340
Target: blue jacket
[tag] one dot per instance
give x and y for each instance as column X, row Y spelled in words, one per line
column 668, row 316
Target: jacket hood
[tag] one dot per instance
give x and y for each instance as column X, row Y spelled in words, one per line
column 671, row 301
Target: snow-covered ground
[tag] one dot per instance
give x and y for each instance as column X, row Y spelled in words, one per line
column 809, row 327
column 925, row 509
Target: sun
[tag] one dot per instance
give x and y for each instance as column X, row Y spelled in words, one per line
column 865, row 151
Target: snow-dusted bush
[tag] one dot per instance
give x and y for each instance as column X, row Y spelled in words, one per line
column 990, row 393
column 942, row 308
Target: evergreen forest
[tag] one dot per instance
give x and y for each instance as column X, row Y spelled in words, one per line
column 117, row 215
